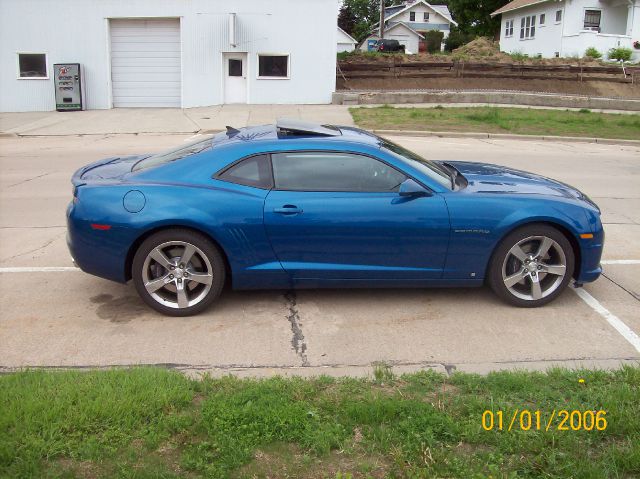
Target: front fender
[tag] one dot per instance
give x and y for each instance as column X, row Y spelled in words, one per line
column 479, row 224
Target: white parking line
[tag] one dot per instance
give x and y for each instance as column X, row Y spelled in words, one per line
column 621, row 261
column 611, row 318
column 192, row 137
column 43, row 269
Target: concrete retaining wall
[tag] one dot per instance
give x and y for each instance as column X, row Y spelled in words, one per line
column 499, row 97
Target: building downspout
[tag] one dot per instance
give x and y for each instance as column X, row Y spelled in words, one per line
column 562, row 30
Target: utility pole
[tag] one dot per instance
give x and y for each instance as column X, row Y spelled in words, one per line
column 381, row 19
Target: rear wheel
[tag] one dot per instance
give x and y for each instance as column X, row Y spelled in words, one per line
column 531, row 266
column 178, row 272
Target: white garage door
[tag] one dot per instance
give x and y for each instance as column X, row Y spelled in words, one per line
column 145, row 63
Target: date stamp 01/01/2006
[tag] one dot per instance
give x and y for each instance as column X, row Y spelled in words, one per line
column 536, row 420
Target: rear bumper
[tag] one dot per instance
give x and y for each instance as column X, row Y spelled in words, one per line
column 97, row 252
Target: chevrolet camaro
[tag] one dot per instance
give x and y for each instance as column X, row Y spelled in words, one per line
column 300, row 205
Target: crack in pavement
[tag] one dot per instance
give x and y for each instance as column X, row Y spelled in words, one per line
column 631, row 293
column 297, row 341
column 48, row 243
column 27, row 180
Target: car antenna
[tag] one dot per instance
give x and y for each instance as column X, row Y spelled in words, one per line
column 231, row 131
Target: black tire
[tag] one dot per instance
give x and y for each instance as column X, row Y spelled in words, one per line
column 208, row 252
column 502, row 258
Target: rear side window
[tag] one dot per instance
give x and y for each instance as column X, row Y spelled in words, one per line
column 254, row 171
column 326, row 171
column 176, row 154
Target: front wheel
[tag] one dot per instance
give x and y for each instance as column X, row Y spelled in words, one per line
column 531, row 266
column 178, row 272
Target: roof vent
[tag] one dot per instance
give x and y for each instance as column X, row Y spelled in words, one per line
column 293, row 127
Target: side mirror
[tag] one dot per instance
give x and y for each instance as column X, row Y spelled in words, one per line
column 410, row 188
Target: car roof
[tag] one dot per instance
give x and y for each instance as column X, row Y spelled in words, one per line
column 293, row 134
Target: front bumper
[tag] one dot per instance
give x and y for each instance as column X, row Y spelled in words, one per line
column 591, row 250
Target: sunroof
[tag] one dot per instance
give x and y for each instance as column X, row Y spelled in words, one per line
column 299, row 127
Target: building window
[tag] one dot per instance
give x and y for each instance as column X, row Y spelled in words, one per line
column 273, row 66
column 426, row 17
column 508, row 29
column 412, row 16
column 32, row 65
column 528, row 27
column 543, row 18
column 558, row 16
column 235, row 67
column 592, row 20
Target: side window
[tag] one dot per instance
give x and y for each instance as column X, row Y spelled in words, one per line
column 326, row 171
column 254, row 171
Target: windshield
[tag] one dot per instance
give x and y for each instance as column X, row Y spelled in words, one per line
column 183, row 151
column 429, row 168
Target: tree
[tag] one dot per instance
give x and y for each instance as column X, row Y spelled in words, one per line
column 474, row 16
column 347, row 19
column 359, row 16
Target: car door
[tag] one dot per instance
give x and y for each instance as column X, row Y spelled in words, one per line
column 339, row 216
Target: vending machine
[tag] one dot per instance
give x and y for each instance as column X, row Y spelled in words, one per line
column 69, row 87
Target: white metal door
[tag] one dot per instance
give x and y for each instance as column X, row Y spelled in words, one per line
column 145, row 62
column 235, row 77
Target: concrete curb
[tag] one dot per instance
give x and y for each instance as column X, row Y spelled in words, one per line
column 506, row 136
column 418, row 133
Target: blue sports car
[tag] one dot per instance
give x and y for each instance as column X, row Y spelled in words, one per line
column 299, row 205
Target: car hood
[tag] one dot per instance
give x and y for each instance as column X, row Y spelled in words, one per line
column 487, row 178
column 106, row 169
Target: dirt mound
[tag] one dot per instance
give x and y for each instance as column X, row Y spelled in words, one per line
column 481, row 47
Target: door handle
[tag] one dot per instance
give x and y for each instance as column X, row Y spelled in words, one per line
column 288, row 210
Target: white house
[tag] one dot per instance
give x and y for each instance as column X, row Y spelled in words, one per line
column 346, row 43
column 416, row 17
column 562, row 28
column 406, row 35
column 169, row 53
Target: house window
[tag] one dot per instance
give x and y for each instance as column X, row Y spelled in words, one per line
column 32, row 65
column 508, row 29
column 528, row 27
column 273, row 66
column 592, row 20
column 558, row 16
column 543, row 18
column 426, row 17
column 412, row 16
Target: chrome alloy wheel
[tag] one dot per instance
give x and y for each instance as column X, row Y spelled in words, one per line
column 534, row 268
column 177, row 274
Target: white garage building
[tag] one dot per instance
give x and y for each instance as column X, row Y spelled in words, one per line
column 169, row 53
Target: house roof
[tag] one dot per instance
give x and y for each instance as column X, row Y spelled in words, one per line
column 347, row 35
column 515, row 5
column 393, row 9
column 402, row 24
column 441, row 9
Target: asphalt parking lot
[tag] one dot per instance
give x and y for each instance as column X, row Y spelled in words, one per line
column 52, row 315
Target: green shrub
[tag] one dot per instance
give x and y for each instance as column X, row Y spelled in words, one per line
column 456, row 39
column 343, row 55
column 620, row 53
column 433, row 39
column 592, row 52
column 518, row 56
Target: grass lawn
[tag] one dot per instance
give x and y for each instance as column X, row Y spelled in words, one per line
column 153, row 423
column 521, row 121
